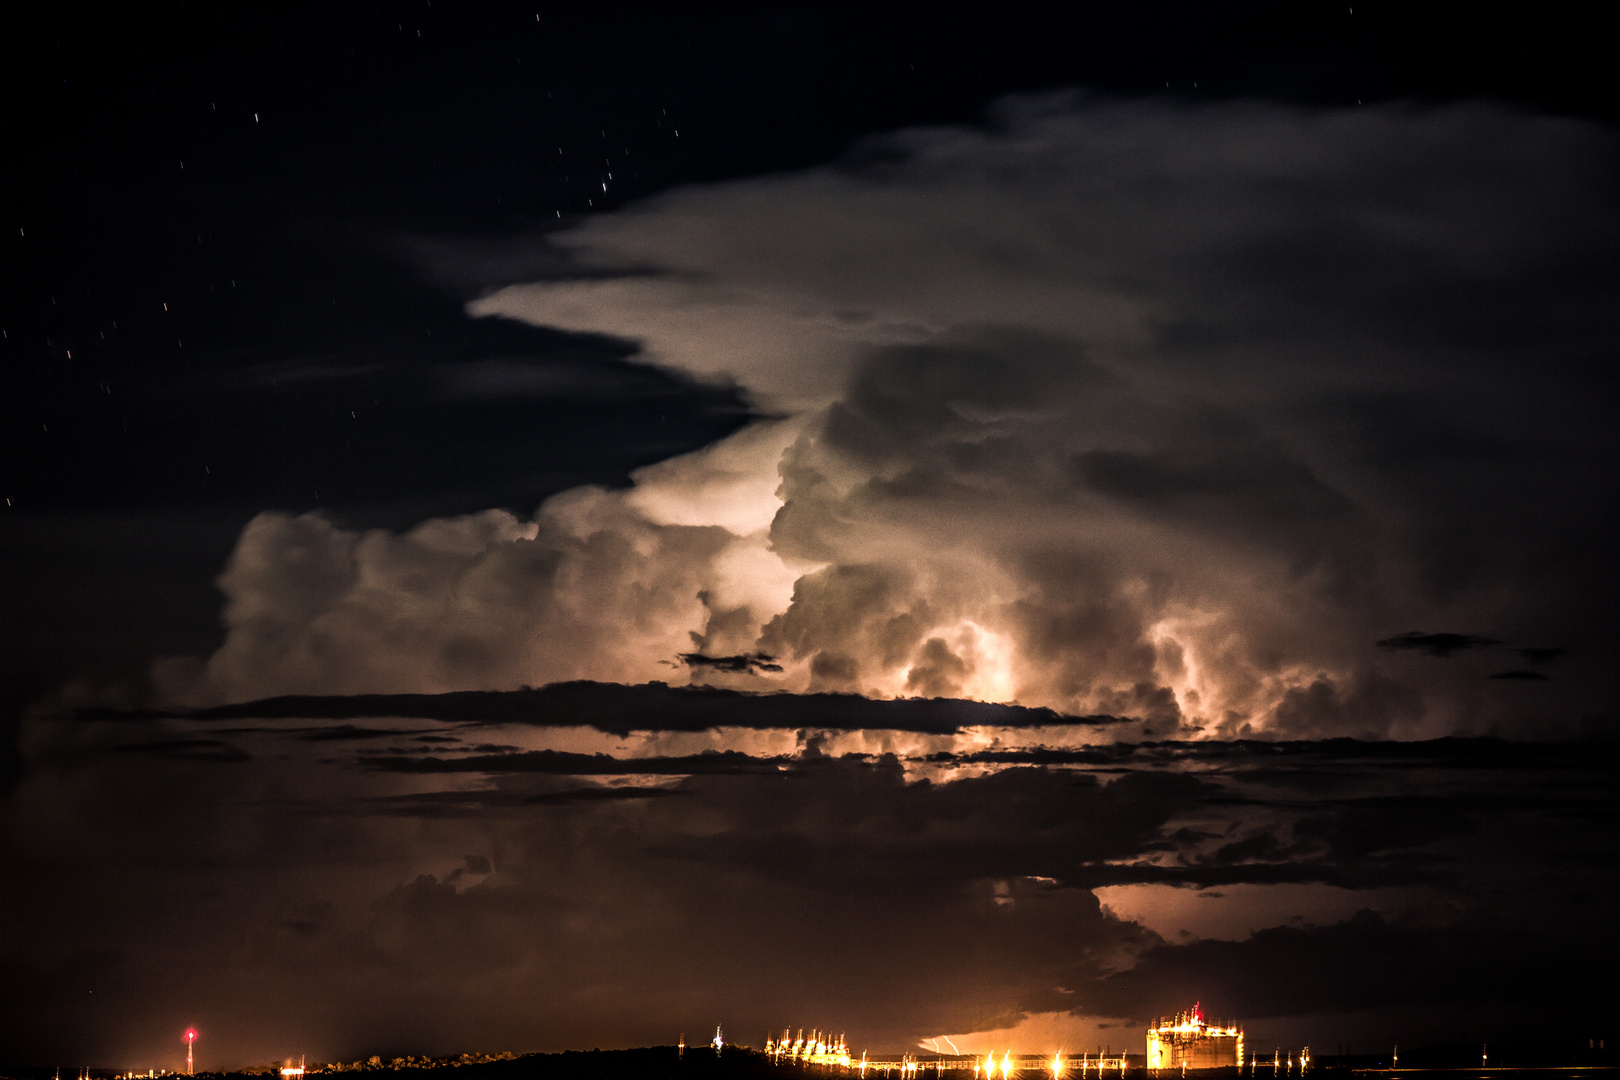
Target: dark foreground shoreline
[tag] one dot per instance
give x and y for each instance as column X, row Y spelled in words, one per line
column 742, row 1063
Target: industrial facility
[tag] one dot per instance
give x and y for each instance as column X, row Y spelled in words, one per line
column 1188, row 1041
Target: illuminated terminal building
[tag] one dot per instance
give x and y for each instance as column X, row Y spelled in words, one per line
column 821, row 1048
column 1188, row 1041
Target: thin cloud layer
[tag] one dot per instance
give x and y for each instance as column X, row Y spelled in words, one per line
column 1107, row 408
column 620, row 710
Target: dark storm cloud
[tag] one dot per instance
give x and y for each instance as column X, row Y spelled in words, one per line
column 643, row 889
column 347, row 732
column 619, row 709
column 1441, row 645
column 595, row 794
column 741, row 664
column 1346, row 842
column 559, row 763
column 1429, row 960
column 216, row 750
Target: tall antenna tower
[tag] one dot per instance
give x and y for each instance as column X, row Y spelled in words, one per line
column 191, row 1037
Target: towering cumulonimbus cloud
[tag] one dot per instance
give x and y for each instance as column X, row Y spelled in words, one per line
column 1108, row 407
column 604, row 585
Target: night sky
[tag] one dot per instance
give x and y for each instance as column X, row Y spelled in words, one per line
column 533, row 527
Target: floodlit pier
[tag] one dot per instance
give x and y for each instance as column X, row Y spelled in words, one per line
column 1003, row 1066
